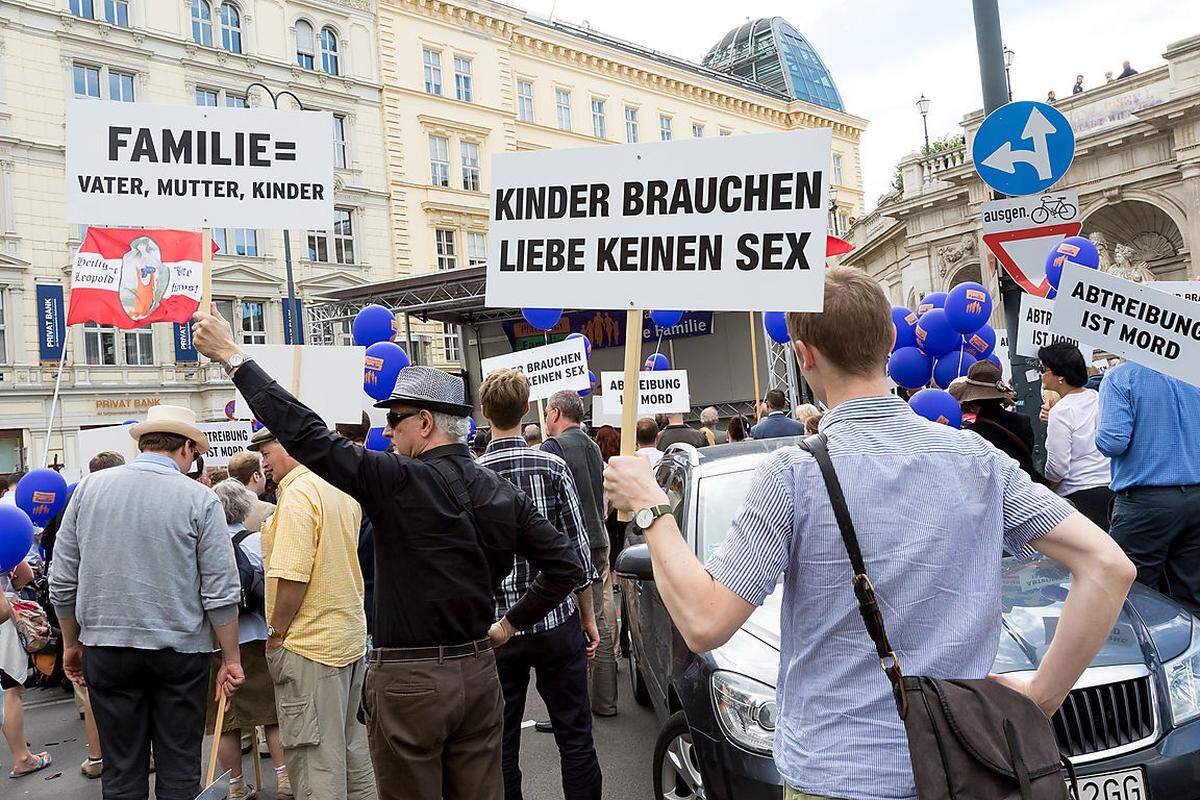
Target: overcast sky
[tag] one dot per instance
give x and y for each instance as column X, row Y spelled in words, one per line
column 883, row 55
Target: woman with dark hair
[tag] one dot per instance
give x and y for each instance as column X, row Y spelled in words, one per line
column 985, row 399
column 608, row 439
column 738, row 431
column 1075, row 468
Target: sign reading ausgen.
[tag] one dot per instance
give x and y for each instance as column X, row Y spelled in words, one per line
column 190, row 167
column 549, row 369
column 718, row 224
column 661, row 392
column 1153, row 328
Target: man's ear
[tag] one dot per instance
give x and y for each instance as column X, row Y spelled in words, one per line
column 528, row 408
column 804, row 355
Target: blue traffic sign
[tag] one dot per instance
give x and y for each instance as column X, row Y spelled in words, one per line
column 1023, row 148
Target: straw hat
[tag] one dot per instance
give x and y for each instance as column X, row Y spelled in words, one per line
column 171, row 419
column 984, row 381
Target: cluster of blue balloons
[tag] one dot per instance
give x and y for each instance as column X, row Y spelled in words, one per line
column 1075, row 249
column 39, row 496
column 374, row 328
column 942, row 339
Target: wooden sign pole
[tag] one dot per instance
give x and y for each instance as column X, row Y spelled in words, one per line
column 206, row 270
column 629, row 401
column 754, row 364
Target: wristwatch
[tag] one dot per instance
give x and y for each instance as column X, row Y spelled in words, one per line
column 235, row 361
column 647, row 516
column 274, row 634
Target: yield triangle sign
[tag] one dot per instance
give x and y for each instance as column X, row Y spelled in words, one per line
column 1023, row 253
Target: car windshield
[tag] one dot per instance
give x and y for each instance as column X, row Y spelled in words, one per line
column 720, row 498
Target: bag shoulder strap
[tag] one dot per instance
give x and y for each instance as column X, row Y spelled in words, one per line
column 864, row 590
column 458, row 489
column 240, row 537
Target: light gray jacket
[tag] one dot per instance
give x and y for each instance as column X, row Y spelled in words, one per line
column 143, row 559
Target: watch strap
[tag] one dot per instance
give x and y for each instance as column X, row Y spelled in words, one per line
column 660, row 510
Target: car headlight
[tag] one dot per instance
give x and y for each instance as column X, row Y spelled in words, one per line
column 746, row 710
column 1183, row 682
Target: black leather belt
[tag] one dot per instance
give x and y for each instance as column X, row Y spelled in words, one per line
column 383, row 655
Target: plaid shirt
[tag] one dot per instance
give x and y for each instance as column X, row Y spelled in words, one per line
column 547, row 481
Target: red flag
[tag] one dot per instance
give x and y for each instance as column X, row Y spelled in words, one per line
column 131, row 277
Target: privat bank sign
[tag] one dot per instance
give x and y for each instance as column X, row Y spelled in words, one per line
column 194, row 167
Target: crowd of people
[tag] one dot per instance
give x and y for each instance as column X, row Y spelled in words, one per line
column 1126, row 72
column 370, row 620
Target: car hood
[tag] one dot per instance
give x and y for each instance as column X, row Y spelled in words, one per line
column 1033, row 594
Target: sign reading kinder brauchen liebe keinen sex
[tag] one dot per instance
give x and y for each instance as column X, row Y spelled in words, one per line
column 195, row 167
column 719, row 224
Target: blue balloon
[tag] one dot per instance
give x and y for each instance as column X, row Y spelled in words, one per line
column 373, row 324
column 666, row 319
column 71, row 490
column 384, row 362
column 657, row 363
column 968, row 306
column 542, row 318
column 587, row 343
column 775, row 323
column 256, row 426
column 16, row 536
column 950, row 366
column 905, row 322
column 1051, row 293
column 591, row 385
column 377, row 441
column 41, row 494
column 995, row 359
column 130, row 422
column 1077, row 250
column 471, row 428
column 910, row 368
column 935, row 335
column 937, row 406
column 931, row 301
column 981, row 343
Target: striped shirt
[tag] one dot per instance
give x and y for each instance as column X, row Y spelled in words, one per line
column 932, row 507
column 546, row 479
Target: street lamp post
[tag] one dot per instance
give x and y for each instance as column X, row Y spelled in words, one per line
column 1008, row 61
column 923, row 107
column 292, row 318
column 833, row 208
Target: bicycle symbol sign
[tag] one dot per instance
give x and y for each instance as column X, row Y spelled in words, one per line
column 1023, row 148
column 1021, row 231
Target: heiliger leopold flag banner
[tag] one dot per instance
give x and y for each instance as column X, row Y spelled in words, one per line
column 130, row 277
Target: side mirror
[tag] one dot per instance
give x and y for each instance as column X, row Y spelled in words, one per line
column 634, row 563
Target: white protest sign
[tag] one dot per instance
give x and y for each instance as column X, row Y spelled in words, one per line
column 1034, row 329
column 1188, row 290
column 717, row 224
column 660, row 392
column 195, row 166
column 330, row 380
column 224, row 440
column 1002, row 353
column 549, row 368
column 1152, row 328
column 1021, row 231
column 602, row 417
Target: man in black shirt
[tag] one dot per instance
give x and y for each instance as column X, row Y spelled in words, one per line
column 677, row 431
column 446, row 531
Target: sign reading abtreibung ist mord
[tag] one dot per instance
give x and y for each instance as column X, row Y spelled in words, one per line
column 719, row 224
column 193, row 167
column 549, row 369
column 659, row 392
column 1035, row 331
column 1153, row 328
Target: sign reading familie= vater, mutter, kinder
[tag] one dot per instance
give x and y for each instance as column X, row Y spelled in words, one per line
column 719, row 224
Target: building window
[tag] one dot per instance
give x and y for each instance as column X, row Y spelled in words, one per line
column 139, row 347
column 100, row 344
column 664, row 128
column 206, row 97
column 231, row 28
column 329, row 51
column 236, row 241
column 202, row 22
column 843, row 224
column 87, row 81
column 117, row 12
column 305, row 44
column 83, row 8
column 476, row 248
column 462, row 79
column 470, row 166
column 697, row 130
column 631, row 125
column 439, row 160
column 254, row 322
column 562, row 109
column 599, row 123
column 837, row 170
column 433, row 70
column 120, row 86
column 447, row 256
column 726, row 132
column 343, row 235
column 318, row 246
column 525, row 101
column 236, row 101
column 339, row 141
column 450, row 341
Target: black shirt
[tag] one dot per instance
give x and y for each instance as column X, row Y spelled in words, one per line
column 1009, row 432
column 673, row 434
column 436, row 572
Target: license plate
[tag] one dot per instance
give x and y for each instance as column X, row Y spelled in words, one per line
column 1125, row 785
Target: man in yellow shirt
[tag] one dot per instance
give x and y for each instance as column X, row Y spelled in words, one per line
column 317, row 631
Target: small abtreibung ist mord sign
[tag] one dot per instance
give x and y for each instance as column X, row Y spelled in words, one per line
column 721, row 224
column 195, row 167
column 659, row 392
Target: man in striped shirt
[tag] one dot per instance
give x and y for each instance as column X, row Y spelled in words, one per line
column 933, row 507
column 559, row 646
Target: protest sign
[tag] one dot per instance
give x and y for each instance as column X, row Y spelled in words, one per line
column 661, row 392
column 1034, row 329
column 600, row 416
column 224, row 440
column 326, row 378
column 550, row 368
column 192, row 167
column 717, row 224
column 1153, row 328
column 1188, row 290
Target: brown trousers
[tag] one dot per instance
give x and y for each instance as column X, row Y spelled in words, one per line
column 435, row 728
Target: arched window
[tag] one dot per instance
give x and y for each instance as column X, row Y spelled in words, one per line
column 329, row 51
column 202, row 23
column 231, row 28
column 304, row 44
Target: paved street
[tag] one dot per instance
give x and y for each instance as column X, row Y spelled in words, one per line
column 624, row 743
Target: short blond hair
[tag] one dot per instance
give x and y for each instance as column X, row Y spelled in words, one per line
column 244, row 466
column 504, row 395
column 854, row 330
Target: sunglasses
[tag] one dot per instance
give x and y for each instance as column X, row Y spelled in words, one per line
column 394, row 419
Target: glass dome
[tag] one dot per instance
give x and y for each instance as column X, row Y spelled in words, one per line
column 771, row 52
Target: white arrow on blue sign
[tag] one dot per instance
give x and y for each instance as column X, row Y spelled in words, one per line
column 1023, row 148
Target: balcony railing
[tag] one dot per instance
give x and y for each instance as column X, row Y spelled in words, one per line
column 921, row 172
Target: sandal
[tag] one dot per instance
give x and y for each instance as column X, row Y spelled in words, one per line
column 42, row 761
